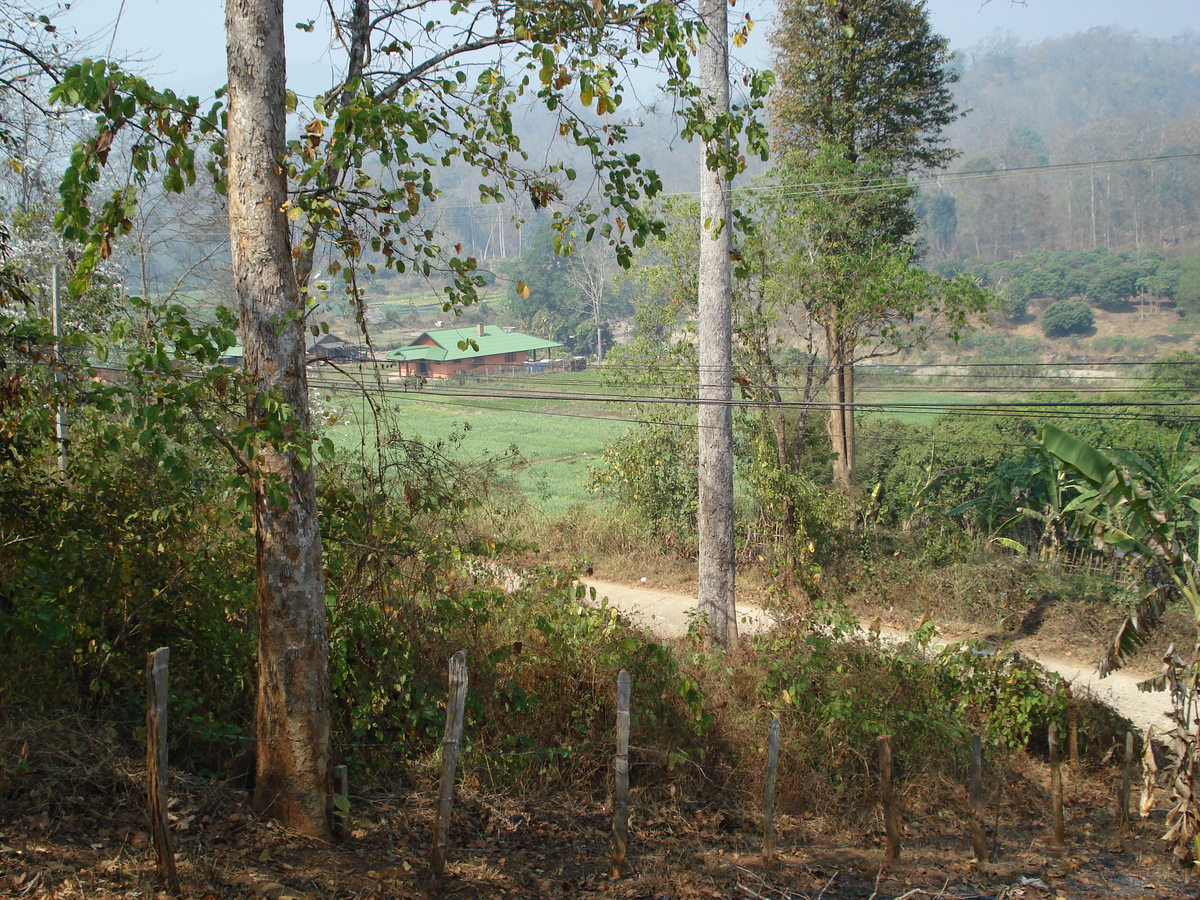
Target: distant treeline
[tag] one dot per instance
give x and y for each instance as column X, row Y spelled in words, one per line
column 1079, row 142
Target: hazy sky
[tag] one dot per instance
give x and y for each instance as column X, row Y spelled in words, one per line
column 181, row 40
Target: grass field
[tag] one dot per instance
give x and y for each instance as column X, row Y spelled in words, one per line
column 559, row 435
column 556, row 438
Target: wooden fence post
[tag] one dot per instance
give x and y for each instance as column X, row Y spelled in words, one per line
column 768, row 850
column 620, row 833
column 1056, row 789
column 887, row 794
column 156, row 765
column 455, row 705
column 1123, row 820
column 341, row 802
column 978, row 832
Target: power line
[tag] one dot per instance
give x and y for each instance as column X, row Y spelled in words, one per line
column 475, row 213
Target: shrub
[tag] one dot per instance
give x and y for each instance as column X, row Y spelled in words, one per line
column 835, row 692
column 1065, row 317
column 652, row 470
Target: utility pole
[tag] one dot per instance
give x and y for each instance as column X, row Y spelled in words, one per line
column 715, row 413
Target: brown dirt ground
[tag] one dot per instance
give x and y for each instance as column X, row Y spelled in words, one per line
column 1162, row 325
column 557, row 847
column 72, row 827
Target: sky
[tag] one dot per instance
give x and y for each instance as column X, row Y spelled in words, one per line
column 181, row 41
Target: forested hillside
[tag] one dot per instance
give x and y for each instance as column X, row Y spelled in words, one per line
column 1078, row 142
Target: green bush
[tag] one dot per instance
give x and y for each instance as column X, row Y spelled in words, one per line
column 653, row 471
column 836, row 692
column 1063, row 317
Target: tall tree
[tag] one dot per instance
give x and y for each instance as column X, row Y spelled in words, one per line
column 867, row 82
column 293, row 706
column 356, row 181
column 717, row 563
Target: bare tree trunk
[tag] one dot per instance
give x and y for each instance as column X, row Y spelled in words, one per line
column 293, row 707
column 841, row 409
column 715, row 525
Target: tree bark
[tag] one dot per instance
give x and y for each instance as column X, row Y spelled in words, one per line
column 715, row 416
column 293, row 704
column 841, row 410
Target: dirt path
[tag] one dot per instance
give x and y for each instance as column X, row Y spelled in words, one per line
column 668, row 614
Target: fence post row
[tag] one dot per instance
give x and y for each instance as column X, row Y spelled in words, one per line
column 620, row 834
column 156, row 765
column 455, row 706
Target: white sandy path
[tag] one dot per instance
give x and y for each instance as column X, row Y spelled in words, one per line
column 666, row 613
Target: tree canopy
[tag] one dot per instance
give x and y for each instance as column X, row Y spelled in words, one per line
column 871, row 78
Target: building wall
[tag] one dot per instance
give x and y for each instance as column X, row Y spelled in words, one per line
column 480, row 365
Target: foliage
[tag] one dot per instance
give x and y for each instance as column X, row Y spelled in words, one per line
column 653, row 470
column 1134, row 507
column 1065, row 317
column 1101, row 277
column 1176, row 375
column 415, row 114
column 1181, row 281
column 872, row 79
column 836, row 692
column 137, row 545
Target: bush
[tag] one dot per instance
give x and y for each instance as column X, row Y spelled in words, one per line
column 835, row 692
column 1065, row 317
column 652, row 470
column 1176, row 374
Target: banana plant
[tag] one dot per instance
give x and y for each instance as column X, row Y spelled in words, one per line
column 1132, row 506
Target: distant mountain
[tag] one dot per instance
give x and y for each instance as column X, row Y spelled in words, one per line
column 1064, row 147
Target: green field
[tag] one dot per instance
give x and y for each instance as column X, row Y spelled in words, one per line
column 557, row 439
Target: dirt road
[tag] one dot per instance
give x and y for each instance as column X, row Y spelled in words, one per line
column 668, row 614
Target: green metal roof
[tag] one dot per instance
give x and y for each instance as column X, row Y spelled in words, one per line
column 494, row 340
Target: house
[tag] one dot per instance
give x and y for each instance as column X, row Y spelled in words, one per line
column 234, row 356
column 437, row 354
column 330, row 346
